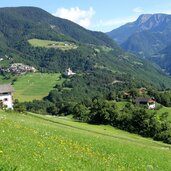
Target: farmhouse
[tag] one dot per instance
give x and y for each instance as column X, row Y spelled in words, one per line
column 6, row 91
column 150, row 102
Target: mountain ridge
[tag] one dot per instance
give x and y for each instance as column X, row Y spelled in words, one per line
column 150, row 22
column 147, row 37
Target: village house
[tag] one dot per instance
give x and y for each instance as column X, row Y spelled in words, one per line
column 19, row 68
column 6, row 91
column 150, row 102
column 69, row 72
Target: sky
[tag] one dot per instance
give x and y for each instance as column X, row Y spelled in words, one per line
column 99, row 15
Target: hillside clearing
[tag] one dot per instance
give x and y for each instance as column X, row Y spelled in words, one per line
column 57, row 143
column 52, row 44
column 35, row 86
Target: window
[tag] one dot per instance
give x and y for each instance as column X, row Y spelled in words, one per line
column 5, row 100
column 5, row 93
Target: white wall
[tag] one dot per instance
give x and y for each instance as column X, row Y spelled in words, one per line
column 8, row 103
column 152, row 106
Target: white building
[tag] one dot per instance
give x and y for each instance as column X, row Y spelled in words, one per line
column 69, row 72
column 150, row 102
column 6, row 91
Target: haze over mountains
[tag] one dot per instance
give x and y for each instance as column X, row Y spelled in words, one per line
column 148, row 37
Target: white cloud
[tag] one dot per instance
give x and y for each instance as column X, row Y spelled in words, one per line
column 77, row 15
column 138, row 10
column 108, row 25
column 117, row 21
column 168, row 11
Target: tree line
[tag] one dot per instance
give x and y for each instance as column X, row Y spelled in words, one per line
column 131, row 118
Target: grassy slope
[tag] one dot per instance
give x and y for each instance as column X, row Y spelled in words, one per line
column 34, row 142
column 35, row 86
column 165, row 109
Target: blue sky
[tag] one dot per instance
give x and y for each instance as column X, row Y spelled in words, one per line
column 101, row 15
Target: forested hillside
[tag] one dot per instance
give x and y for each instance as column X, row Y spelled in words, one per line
column 93, row 49
column 163, row 58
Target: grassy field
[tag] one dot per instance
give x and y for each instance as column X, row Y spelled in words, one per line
column 165, row 109
column 33, row 142
column 35, row 86
column 52, row 44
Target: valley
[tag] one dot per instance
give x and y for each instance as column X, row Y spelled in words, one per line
column 83, row 99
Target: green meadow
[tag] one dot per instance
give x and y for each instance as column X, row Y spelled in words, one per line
column 52, row 44
column 165, row 109
column 35, row 85
column 33, row 142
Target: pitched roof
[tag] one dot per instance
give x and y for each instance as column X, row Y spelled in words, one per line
column 143, row 100
column 6, row 88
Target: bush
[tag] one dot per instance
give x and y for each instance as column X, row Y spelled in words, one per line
column 19, row 107
column 81, row 112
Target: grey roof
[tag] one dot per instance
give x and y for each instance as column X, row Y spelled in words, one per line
column 6, row 88
column 142, row 100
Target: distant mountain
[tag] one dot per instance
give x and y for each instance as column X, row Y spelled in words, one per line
column 94, row 51
column 146, row 36
column 163, row 59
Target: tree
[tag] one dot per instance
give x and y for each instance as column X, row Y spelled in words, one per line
column 102, row 111
column 112, row 96
column 81, row 112
column 133, row 93
column 19, row 107
column 1, row 104
column 53, row 110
